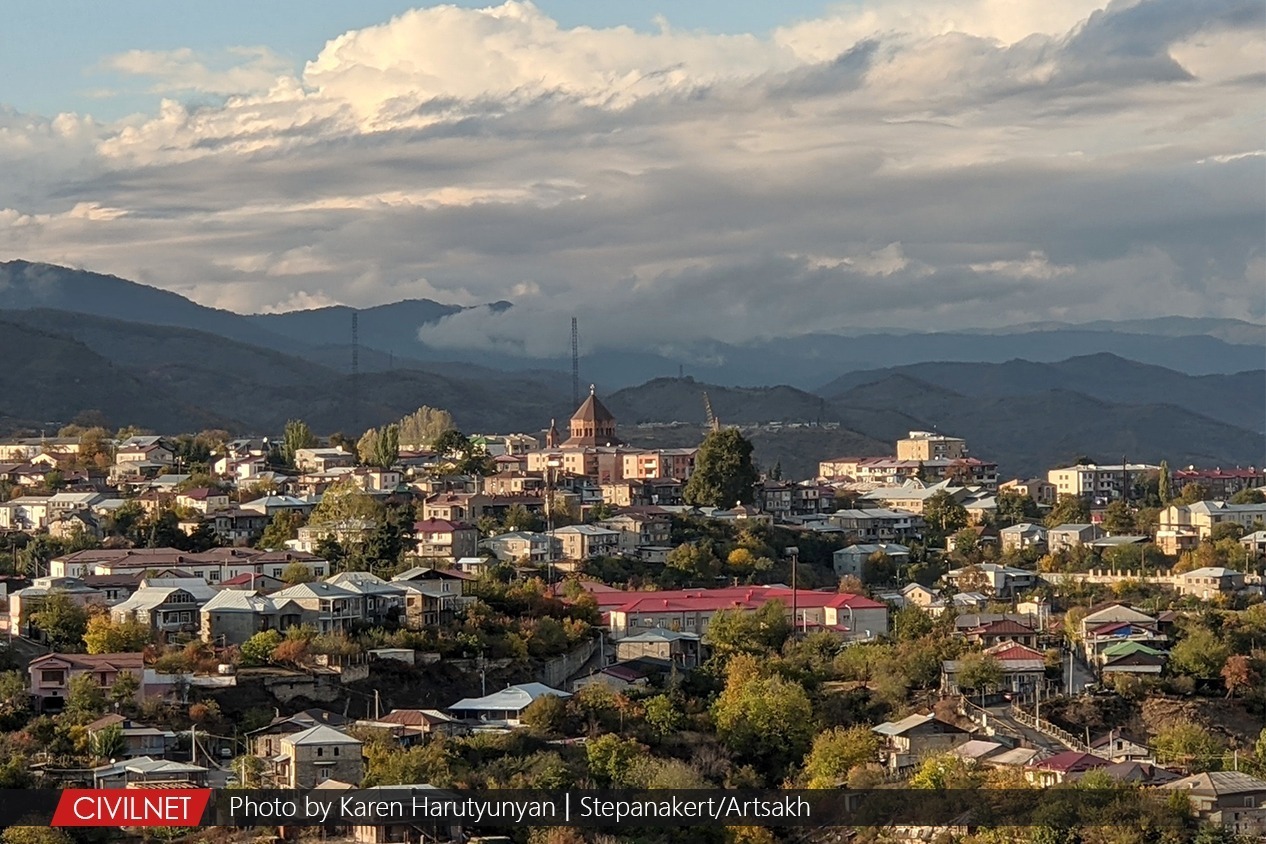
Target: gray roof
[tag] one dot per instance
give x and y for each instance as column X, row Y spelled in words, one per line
column 512, row 699
column 320, row 734
column 317, row 589
column 238, row 600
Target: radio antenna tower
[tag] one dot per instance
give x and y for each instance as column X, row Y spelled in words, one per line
column 355, row 397
column 575, row 365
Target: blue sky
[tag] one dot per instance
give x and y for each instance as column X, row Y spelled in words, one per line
column 52, row 51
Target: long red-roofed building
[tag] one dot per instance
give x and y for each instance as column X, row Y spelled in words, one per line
column 690, row 610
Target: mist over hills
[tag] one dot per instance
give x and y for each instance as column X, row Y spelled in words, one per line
column 75, row 341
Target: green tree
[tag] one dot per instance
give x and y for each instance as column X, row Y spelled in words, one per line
column 297, row 435
column 34, row 835
column 297, row 573
column 1190, row 745
column 283, row 527
column 610, row 757
column 258, row 649
column 84, row 697
column 1118, row 518
column 546, row 714
column 108, row 742
column 1191, row 493
column 663, row 715
column 837, row 751
column 979, row 672
column 423, row 427
column 344, row 505
column 766, row 718
column 944, row 514
column 123, row 691
column 104, row 636
column 911, row 622
column 1068, row 510
column 724, row 473
column 694, row 558
column 15, row 699
column 380, row 446
column 1014, row 508
column 1166, row 484
column 464, row 456
column 1248, row 496
column 1199, row 654
column 62, row 622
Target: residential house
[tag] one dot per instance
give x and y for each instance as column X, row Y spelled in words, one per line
column 1233, row 800
column 138, row 739
column 51, row 675
column 1117, row 623
column 239, row 526
column 1221, row 483
column 1140, row 774
column 927, row 445
column 466, row 506
column 1022, row 536
column 1096, row 483
column 26, row 513
column 504, row 708
column 235, row 615
column 166, row 607
column 24, row 603
column 203, row 500
column 908, row 741
column 382, row 601
column 77, row 523
column 522, row 546
column 639, row 529
column 584, row 542
column 69, row 502
column 851, row 561
column 327, row 607
column 252, row 582
column 1023, row 669
column 316, row 755
column 1255, row 542
column 265, row 742
column 991, row 633
column 444, row 539
column 1116, row 747
column 1067, row 536
column 992, row 578
column 676, row 646
column 1131, row 658
column 422, row 723
column 322, row 459
column 1063, row 767
column 144, row 772
column 1210, row 581
column 913, row 494
column 1039, row 489
column 919, row 595
column 1203, row 516
column 851, row 616
column 271, row 505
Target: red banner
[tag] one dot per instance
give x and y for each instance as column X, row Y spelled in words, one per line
column 131, row 807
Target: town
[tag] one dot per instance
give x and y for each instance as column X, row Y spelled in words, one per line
column 429, row 608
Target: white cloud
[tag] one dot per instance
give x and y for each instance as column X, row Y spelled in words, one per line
column 895, row 163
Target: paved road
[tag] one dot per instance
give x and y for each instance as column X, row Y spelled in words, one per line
column 1000, row 717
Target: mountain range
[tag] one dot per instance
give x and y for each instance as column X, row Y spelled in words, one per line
column 75, row 341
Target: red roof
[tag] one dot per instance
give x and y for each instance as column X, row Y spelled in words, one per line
column 1071, row 762
column 1005, row 627
column 1016, row 653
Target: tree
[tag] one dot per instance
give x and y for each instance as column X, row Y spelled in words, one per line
column 108, row 742
column 694, row 558
column 724, row 473
column 610, row 757
column 15, row 699
column 297, row 435
column 546, row 714
column 297, row 573
column 423, row 427
column 344, row 505
column 123, row 691
column 464, row 457
column 1238, row 674
column 62, row 621
column 1014, row 508
column 258, row 649
column 1189, row 745
column 1165, row 489
column 35, row 835
column 764, row 717
column 1199, row 654
column 911, row 622
column 979, row 671
column 380, row 446
column 1118, row 518
column 1191, row 493
column 84, row 697
column 944, row 514
column 1249, row 496
column 1226, row 530
column 1068, row 510
column 663, row 715
column 836, row 752
column 283, row 527
column 104, row 636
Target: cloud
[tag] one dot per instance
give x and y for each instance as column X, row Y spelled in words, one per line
column 893, row 164
column 239, row 70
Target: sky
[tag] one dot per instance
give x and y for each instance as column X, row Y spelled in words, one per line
column 665, row 171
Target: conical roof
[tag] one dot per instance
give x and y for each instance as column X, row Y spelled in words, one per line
column 592, row 410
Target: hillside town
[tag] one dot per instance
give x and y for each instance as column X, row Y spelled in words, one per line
column 422, row 606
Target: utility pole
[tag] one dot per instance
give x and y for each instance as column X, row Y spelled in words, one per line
column 794, row 551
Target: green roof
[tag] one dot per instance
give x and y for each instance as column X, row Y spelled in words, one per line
column 1127, row 648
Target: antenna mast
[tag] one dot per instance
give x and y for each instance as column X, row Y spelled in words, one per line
column 713, row 423
column 575, row 365
column 355, row 397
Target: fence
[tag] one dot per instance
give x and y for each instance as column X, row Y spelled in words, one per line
column 1048, row 729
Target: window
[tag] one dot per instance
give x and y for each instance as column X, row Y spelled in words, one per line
column 336, row 751
column 51, row 677
column 320, row 751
